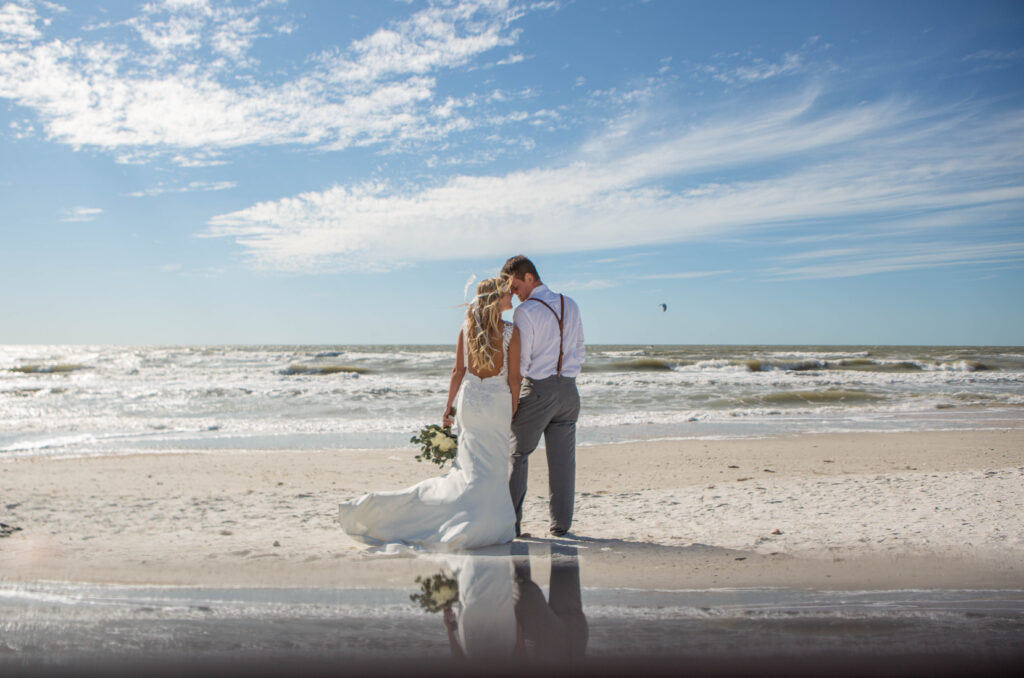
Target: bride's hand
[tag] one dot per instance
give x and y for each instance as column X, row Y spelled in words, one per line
column 446, row 420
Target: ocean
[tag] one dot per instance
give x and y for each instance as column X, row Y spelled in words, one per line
column 102, row 400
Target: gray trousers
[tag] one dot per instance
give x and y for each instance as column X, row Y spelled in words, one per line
column 556, row 628
column 550, row 407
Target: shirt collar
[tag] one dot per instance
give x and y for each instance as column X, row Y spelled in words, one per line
column 539, row 291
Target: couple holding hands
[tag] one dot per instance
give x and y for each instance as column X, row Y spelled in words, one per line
column 511, row 383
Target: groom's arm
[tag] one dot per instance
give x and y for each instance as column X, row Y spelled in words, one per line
column 581, row 348
column 576, row 333
column 524, row 326
column 515, row 378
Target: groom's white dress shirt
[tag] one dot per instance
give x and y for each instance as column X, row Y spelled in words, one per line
column 538, row 336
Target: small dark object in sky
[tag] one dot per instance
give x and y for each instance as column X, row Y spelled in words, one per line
column 664, row 307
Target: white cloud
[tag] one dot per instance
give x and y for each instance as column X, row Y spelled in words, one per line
column 512, row 59
column 427, row 41
column 824, row 254
column 18, row 22
column 760, row 70
column 165, row 96
column 211, row 185
column 996, row 55
column 584, row 285
column 161, row 188
column 200, row 158
column 179, row 32
column 81, row 214
column 21, row 129
column 682, row 275
column 744, row 68
column 172, row 28
column 900, row 258
column 885, row 163
column 625, row 258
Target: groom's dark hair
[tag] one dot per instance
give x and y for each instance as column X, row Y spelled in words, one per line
column 518, row 266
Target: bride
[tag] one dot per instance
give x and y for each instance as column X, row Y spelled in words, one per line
column 469, row 506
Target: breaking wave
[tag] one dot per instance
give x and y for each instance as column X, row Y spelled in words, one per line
column 325, row 369
column 59, row 368
column 115, row 398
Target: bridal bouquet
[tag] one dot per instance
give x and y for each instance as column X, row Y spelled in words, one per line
column 436, row 593
column 436, row 444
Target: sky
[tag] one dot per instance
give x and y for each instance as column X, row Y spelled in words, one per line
column 328, row 172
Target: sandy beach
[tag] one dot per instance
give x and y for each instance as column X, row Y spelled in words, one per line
column 831, row 511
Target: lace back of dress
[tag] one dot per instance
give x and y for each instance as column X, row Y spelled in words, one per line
column 506, row 338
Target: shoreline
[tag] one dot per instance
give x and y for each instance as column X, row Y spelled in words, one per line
column 854, row 511
column 1003, row 425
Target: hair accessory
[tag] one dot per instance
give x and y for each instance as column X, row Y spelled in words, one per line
column 469, row 283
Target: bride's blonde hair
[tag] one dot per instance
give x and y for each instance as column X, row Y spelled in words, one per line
column 484, row 322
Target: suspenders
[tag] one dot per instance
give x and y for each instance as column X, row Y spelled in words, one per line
column 561, row 331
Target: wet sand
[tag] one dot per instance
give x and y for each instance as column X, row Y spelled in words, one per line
column 832, row 511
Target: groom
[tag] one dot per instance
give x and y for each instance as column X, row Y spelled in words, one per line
column 551, row 337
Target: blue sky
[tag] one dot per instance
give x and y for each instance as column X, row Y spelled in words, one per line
column 192, row 171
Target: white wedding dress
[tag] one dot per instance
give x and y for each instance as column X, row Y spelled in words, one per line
column 469, row 506
column 486, row 613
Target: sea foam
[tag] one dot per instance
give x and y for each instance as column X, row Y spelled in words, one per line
column 106, row 399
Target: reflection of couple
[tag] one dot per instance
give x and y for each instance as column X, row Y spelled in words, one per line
column 511, row 383
column 504, row 613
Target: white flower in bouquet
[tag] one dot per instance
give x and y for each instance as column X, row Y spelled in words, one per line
column 446, row 444
column 437, row 444
column 445, row 594
column 437, row 593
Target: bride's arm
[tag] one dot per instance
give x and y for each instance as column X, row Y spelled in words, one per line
column 458, row 372
column 451, row 625
column 515, row 378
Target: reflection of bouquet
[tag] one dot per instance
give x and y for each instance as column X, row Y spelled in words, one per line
column 436, row 444
column 437, row 593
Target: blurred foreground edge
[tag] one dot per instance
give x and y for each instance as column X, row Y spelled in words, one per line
column 824, row 665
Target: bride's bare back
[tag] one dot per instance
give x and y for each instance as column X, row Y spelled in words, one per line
column 498, row 358
column 484, row 314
